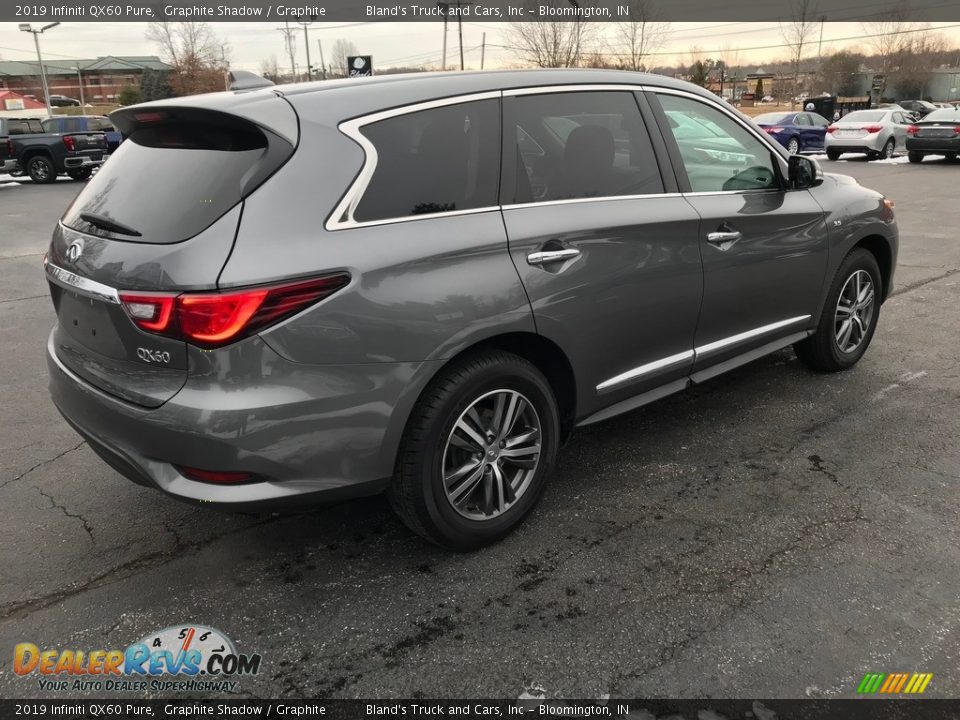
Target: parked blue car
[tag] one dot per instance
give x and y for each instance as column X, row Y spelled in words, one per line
column 797, row 131
column 62, row 124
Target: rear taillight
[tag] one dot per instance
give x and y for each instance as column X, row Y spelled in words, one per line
column 773, row 130
column 10, row 147
column 221, row 477
column 831, row 128
column 69, row 143
column 212, row 319
column 957, row 130
column 913, row 130
column 873, row 128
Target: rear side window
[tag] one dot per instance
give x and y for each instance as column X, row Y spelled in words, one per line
column 20, row 127
column 432, row 161
column 171, row 180
column 51, row 126
column 584, row 144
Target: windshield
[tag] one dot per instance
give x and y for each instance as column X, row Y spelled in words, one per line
column 773, row 118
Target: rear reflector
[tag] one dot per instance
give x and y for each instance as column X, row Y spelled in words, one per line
column 212, row 319
column 215, row 476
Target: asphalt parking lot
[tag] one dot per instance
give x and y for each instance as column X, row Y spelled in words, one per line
column 774, row 533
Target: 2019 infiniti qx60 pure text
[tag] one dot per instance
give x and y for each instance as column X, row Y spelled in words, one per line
column 422, row 284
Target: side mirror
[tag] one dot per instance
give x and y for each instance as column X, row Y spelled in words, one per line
column 804, row 172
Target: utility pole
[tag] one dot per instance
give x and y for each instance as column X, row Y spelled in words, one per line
column 80, row 82
column 443, row 65
column 25, row 27
column 460, row 32
column 306, row 42
column 323, row 66
column 291, row 48
column 483, row 49
column 820, row 45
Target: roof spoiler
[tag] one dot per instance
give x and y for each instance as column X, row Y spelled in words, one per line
column 245, row 80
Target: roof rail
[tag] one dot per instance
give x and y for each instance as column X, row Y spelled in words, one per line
column 245, row 80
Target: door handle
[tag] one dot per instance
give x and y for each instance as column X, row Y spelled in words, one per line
column 545, row 257
column 724, row 239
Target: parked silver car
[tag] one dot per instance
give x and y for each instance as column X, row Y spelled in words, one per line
column 879, row 133
column 422, row 284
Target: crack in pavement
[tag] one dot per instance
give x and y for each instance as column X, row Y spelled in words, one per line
column 22, row 608
column 42, row 463
column 910, row 288
column 29, row 297
column 54, row 505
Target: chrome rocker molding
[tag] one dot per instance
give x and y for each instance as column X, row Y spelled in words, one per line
column 84, row 286
column 697, row 377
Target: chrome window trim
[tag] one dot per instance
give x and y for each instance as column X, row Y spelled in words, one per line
column 569, row 201
column 586, row 87
column 84, row 286
column 342, row 215
column 696, row 353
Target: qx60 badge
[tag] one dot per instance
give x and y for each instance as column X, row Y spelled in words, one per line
column 153, row 356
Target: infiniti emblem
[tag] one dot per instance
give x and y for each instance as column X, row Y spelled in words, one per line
column 75, row 250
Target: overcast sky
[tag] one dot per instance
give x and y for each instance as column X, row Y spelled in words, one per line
column 394, row 44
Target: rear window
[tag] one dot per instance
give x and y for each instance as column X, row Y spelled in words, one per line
column 24, row 127
column 865, row 116
column 943, row 116
column 96, row 123
column 773, row 118
column 172, row 180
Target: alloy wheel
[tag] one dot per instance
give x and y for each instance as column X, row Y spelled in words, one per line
column 854, row 313
column 793, row 146
column 491, row 454
column 888, row 150
column 40, row 170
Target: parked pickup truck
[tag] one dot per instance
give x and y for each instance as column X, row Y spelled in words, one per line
column 8, row 163
column 43, row 156
column 84, row 123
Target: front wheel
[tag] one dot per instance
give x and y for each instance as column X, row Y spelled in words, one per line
column 476, row 451
column 849, row 316
column 40, row 169
column 889, row 149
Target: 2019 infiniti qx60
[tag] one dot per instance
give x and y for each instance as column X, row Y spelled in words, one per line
column 422, row 284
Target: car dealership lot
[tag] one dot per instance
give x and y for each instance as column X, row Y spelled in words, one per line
column 773, row 533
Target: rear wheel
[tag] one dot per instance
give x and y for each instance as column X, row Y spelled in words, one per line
column 793, row 146
column 951, row 157
column 476, row 451
column 915, row 157
column 849, row 316
column 40, row 169
column 888, row 149
column 833, row 154
column 81, row 174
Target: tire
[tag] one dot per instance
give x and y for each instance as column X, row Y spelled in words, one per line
column 466, row 393
column 915, row 157
column 889, row 148
column 81, row 174
column 40, row 169
column 793, row 146
column 833, row 154
column 822, row 350
column 951, row 157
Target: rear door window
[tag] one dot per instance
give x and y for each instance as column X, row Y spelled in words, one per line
column 171, row 180
column 432, row 161
column 584, row 144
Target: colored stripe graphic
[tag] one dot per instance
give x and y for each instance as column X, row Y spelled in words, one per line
column 894, row 683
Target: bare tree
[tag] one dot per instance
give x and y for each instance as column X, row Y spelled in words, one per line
column 198, row 58
column 889, row 37
column 916, row 61
column 341, row 50
column 640, row 37
column 270, row 69
column 798, row 33
column 549, row 44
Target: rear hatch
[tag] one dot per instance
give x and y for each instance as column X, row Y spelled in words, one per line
column 159, row 217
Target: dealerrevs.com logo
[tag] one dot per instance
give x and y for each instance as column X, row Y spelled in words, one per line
column 177, row 658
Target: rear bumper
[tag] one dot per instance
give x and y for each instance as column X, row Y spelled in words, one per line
column 937, row 146
column 871, row 143
column 83, row 161
column 10, row 165
column 316, row 433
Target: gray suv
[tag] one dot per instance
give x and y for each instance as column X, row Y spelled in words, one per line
column 422, row 284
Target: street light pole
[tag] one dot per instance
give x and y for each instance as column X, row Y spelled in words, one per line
column 83, row 102
column 26, row 27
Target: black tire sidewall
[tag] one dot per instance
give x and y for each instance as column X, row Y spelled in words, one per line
column 51, row 173
column 460, row 532
column 80, row 175
column 859, row 259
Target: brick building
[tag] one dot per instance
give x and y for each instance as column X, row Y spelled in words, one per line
column 102, row 77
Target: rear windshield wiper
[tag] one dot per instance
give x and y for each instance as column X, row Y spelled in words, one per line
column 105, row 223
